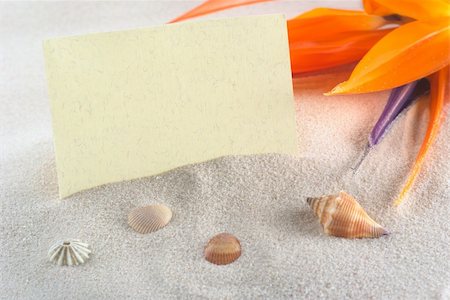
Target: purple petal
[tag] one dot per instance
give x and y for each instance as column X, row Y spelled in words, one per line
column 400, row 98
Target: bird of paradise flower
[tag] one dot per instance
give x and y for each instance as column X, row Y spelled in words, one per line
column 323, row 38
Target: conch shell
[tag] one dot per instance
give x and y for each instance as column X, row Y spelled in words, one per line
column 340, row 215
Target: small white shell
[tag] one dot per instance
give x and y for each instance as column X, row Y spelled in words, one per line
column 149, row 218
column 69, row 252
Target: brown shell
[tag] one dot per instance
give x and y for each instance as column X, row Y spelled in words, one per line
column 340, row 215
column 149, row 218
column 223, row 249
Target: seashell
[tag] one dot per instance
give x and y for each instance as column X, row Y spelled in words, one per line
column 69, row 252
column 340, row 215
column 149, row 218
column 223, row 249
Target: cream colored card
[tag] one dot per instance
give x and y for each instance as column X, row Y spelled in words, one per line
column 140, row 102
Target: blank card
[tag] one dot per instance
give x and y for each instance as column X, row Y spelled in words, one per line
column 140, row 102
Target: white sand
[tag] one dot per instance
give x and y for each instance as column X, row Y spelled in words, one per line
column 261, row 199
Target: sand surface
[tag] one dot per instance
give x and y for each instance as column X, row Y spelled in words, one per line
column 260, row 199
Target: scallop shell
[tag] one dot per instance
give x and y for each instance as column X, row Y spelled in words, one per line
column 340, row 215
column 69, row 252
column 149, row 218
column 223, row 249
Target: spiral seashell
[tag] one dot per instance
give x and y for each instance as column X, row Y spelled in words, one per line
column 223, row 249
column 69, row 252
column 340, row 215
column 149, row 218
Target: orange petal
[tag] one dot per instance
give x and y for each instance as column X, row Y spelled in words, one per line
column 211, row 6
column 410, row 52
column 308, row 56
column 439, row 86
column 323, row 23
column 323, row 38
column 374, row 8
column 416, row 9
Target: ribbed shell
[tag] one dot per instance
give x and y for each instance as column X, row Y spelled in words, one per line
column 223, row 249
column 340, row 215
column 149, row 218
column 69, row 252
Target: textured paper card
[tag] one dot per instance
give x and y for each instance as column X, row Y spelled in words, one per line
column 140, row 102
